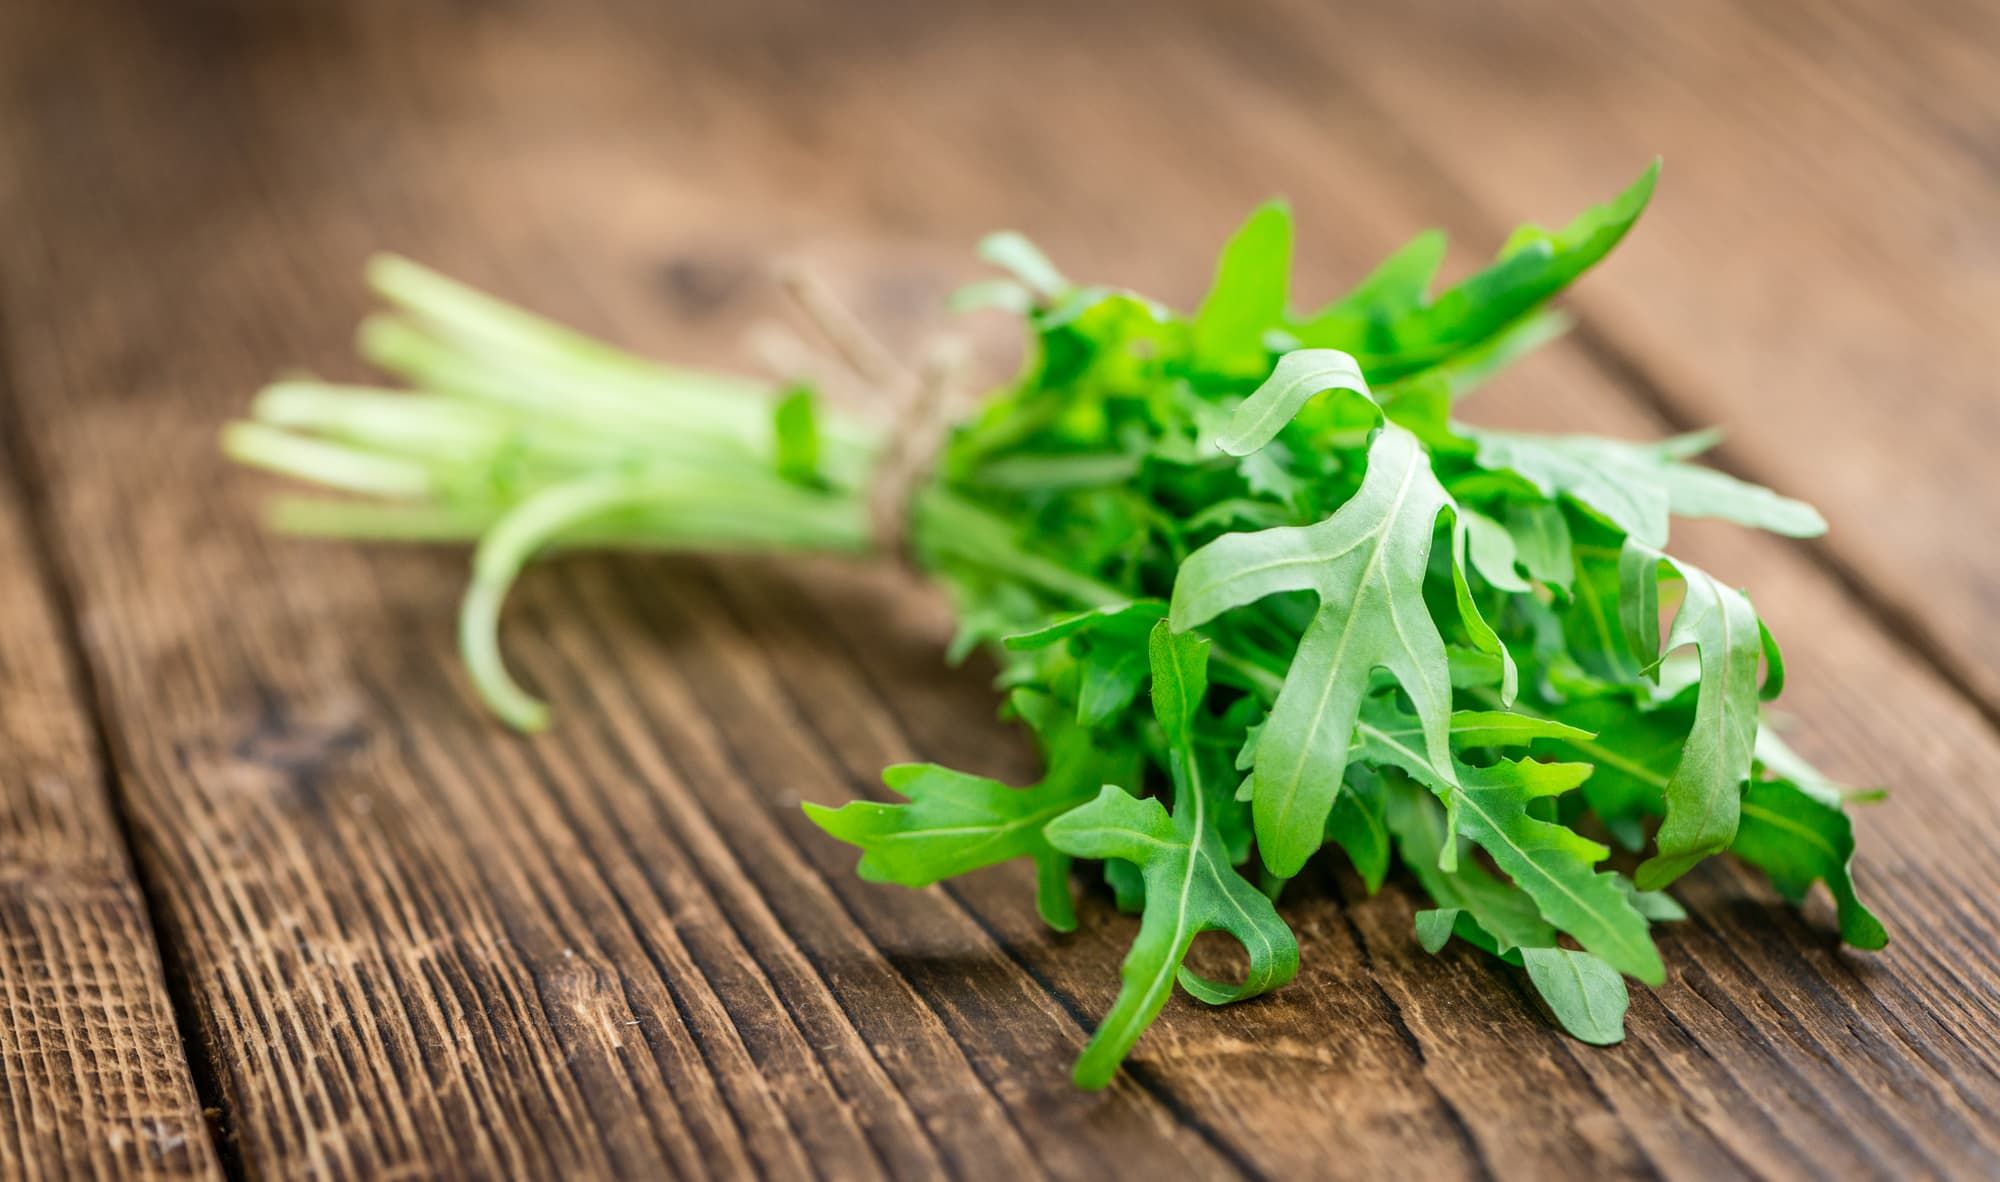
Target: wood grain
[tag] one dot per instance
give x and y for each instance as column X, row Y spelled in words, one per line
column 93, row 1081
column 417, row 944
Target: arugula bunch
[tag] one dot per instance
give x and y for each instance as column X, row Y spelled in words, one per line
column 1364, row 626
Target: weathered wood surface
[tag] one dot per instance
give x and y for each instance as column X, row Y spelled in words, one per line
column 94, row 1082
column 413, row 943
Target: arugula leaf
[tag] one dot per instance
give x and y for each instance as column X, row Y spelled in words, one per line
column 1298, row 378
column 1797, row 838
column 1357, row 826
column 1367, row 565
column 1636, row 486
column 1401, row 283
column 1541, row 538
column 1190, row 886
column 1533, row 266
column 956, row 822
column 1586, row 994
column 1492, row 549
column 1551, row 862
column 1247, row 298
column 1011, row 251
column 795, row 425
column 1703, row 794
column 1471, row 903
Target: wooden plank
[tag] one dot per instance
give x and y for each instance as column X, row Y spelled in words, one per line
column 422, row 941
column 93, row 1080
column 1817, row 274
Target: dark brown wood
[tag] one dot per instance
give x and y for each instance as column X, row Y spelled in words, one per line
column 416, row 943
column 93, row 1080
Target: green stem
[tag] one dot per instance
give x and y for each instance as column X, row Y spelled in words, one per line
column 562, row 510
column 322, row 462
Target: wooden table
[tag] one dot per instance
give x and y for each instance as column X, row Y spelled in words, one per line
column 277, row 900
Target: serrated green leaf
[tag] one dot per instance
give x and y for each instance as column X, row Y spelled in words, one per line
column 1553, row 864
column 1493, row 915
column 1366, row 563
column 956, row 822
column 1190, row 886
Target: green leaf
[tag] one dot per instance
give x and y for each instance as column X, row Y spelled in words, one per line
column 1128, row 886
column 1703, row 794
column 1483, row 910
column 1656, row 906
column 955, row 823
column 1133, row 618
column 1635, row 753
column 1434, row 928
column 1594, row 624
column 1190, row 886
column 1482, row 635
column 1492, row 550
column 1111, row 679
column 1798, row 838
column 1011, row 251
column 1553, row 864
column 1503, row 728
column 1635, row 486
column 1401, row 283
column 1366, row 563
column 1587, row 996
column 1542, row 542
column 1535, row 265
column 1298, row 377
column 1179, row 664
column 795, row 424
column 1356, row 825
column 1252, row 279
